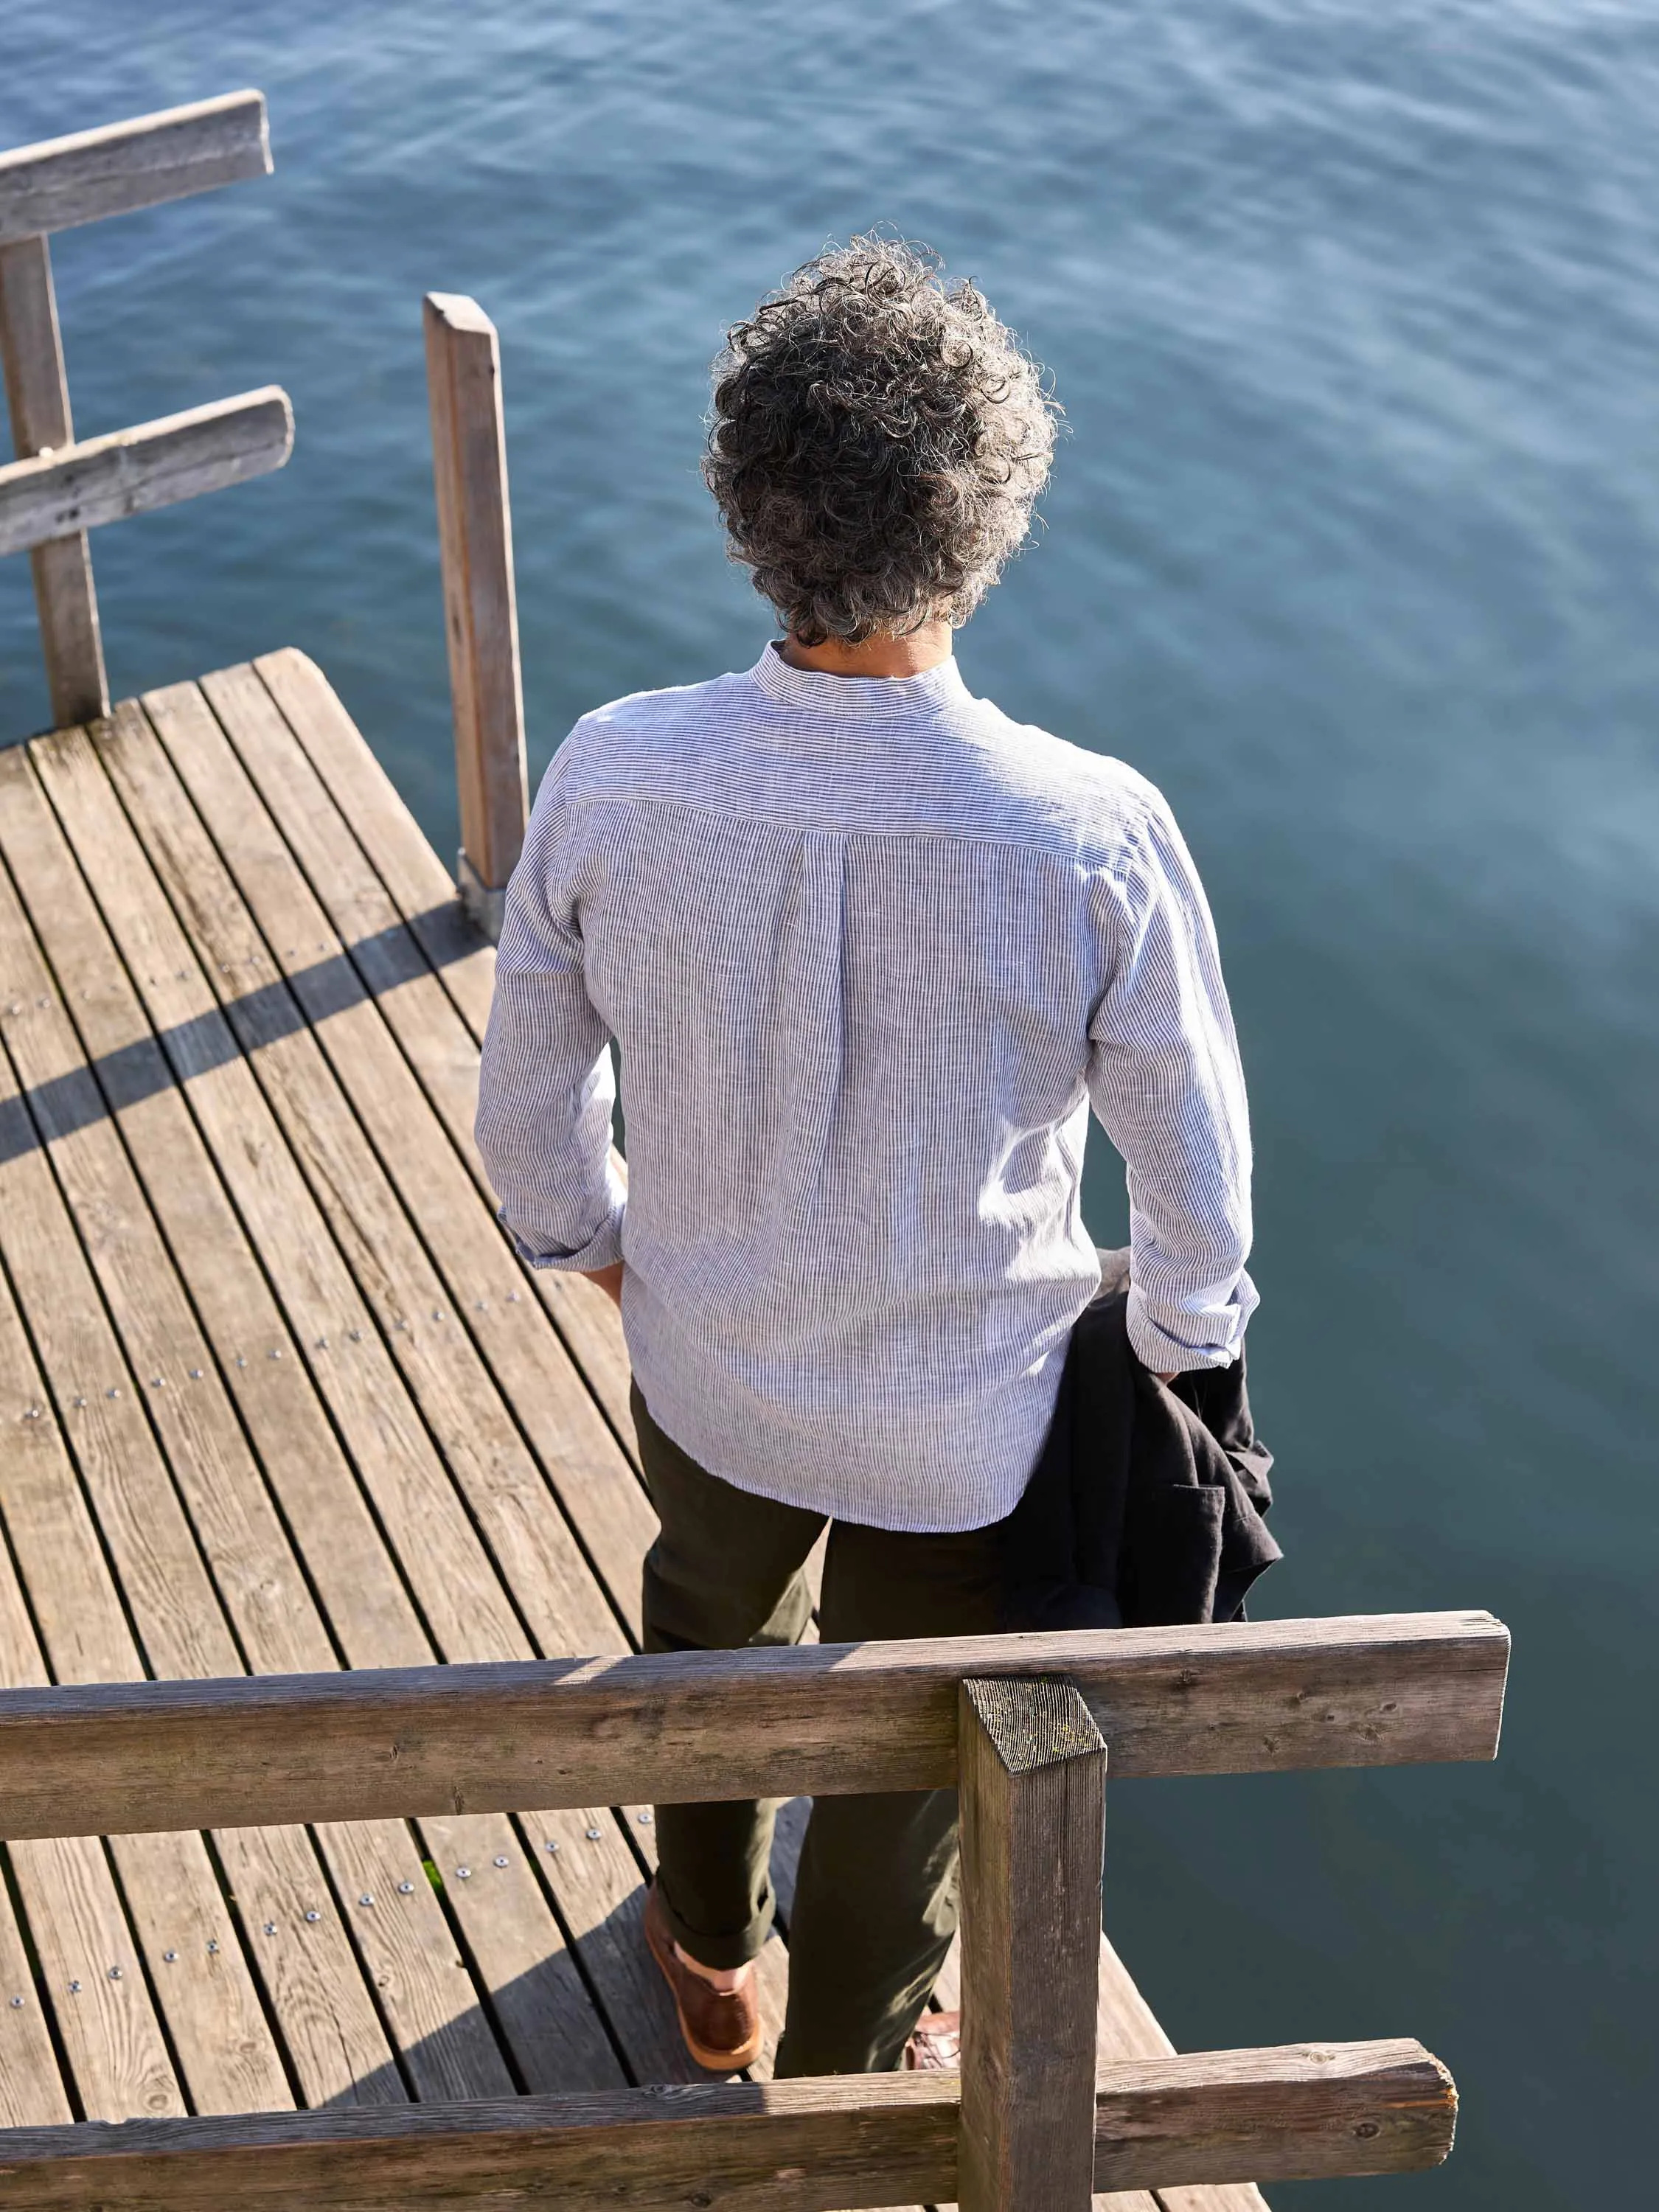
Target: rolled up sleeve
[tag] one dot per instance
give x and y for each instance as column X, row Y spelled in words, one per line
column 546, row 1089
column 1166, row 1084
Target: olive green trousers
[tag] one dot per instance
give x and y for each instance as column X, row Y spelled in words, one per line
column 875, row 1902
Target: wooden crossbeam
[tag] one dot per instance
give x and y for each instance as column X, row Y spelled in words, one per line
column 678, row 1727
column 178, row 457
column 59, row 183
column 1299, row 2112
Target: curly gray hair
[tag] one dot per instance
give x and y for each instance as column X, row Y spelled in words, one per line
column 877, row 441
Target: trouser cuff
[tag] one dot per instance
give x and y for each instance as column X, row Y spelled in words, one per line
column 721, row 1950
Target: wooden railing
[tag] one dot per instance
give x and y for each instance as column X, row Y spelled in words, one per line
column 56, row 490
column 1022, row 1725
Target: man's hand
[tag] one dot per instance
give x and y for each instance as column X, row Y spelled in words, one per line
column 609, row 1280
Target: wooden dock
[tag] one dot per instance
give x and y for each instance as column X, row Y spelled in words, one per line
column 279, row 1397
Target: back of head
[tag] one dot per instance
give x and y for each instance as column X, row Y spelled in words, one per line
column 878, row 442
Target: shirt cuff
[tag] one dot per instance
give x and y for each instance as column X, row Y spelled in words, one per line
column 604, row 1248
column 1170, row 1341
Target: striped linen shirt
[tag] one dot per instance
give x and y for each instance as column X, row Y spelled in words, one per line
column 868, row 949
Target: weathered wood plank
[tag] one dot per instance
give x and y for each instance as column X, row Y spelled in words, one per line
column 37, row 389
column 89, row 1962
column 463, row 960
column 177, row 1912
column 1297, row 2112
column 277, row 1398
column 334, row 1329
column 814, row 1719
column 312, row 1479
column 111, row 2036
column 32, row 2093
column 477, row 1280
column 208, row 1452
column 419, row 884
column 595, row 1880
column 309, row 1968
column 213, row 2013
column 779, row 2147
column 178, row 457
column 1033, row 1778
column 537, row 1995
column 57, row 183
column 390, row 953
column 305, row 1955
column 432, row 2008
column 315, row 1989
column 528, row 1540
column 480, row 622
column 74, row 1914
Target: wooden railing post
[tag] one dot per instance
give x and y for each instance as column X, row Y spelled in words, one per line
column 1033, row 1784
column 55, row 186
column 37, row 389
column 475, row 537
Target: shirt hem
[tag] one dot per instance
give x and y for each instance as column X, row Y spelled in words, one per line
column 705, row 1434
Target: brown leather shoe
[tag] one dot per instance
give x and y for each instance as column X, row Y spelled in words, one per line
column 721, row 2027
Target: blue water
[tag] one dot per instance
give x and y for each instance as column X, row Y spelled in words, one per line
column 1354, row 547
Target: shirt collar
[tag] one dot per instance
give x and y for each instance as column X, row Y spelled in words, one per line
column 858, row 698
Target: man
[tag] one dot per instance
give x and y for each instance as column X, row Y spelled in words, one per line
column 869, row 951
